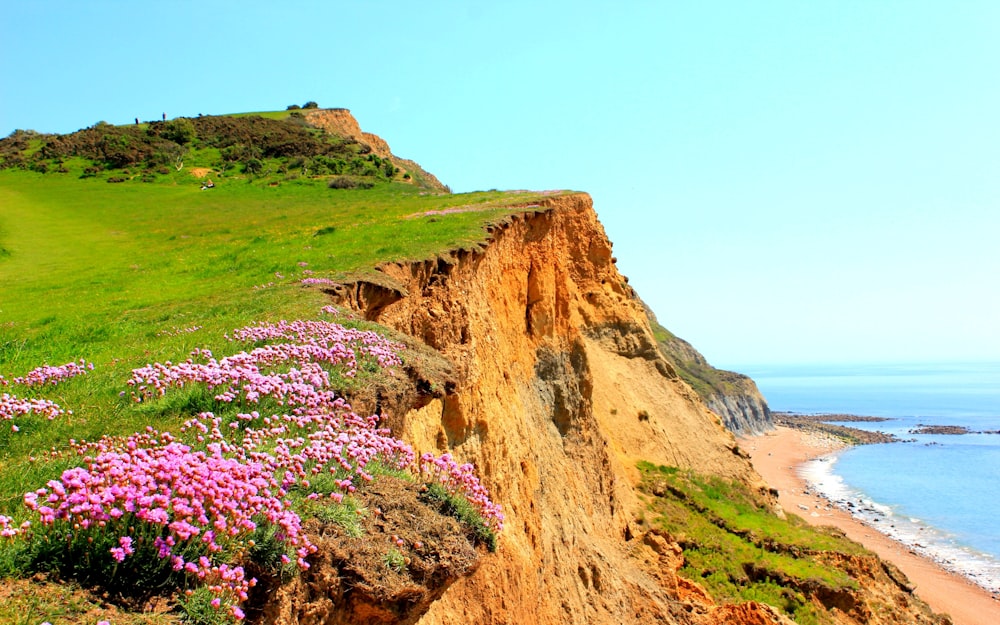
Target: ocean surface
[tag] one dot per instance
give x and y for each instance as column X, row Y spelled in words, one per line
column 938, row 493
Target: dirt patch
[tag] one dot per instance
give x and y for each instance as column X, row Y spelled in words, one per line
column 407, row 555
column 200, row 172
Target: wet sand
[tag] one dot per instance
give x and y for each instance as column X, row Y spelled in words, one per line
column 776, row 456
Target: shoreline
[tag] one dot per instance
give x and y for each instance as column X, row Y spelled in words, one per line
column 778, row 457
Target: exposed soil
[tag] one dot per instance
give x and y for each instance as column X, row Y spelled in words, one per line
column 355, row 579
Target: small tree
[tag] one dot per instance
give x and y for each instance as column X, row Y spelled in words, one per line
column 253, row 166
column 310, row 105
column 179, row 130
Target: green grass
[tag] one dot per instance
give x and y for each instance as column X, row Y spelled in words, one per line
column 738, row 549
column 117, row 273
column 267, row 114
column 460, row 508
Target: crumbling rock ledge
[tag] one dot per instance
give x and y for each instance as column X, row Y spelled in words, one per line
column 547, row 377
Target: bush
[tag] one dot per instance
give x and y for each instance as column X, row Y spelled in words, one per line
column 253, row 166
column 310, row 105
column 179, row 130
column 293, row 107
column 342, row 182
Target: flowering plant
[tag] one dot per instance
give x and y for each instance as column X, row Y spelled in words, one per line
column 154, row 509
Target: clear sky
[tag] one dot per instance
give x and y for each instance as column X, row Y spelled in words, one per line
column 784, row 181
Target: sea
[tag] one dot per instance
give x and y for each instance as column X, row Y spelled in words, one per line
column 937, row 493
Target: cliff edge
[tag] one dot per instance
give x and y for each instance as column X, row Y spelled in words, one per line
column 733, row 396
column 558, row 390
column 554, row 388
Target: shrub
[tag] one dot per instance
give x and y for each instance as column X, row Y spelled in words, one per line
column 342, row 182
column 310, row 105
column 293, row 107
column 179, row 130
column 253, row 166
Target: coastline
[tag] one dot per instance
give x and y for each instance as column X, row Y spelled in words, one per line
column 777, row 457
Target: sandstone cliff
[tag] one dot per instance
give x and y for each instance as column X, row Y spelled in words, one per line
column 339, row 121
column 554, row 387
column 732, row 396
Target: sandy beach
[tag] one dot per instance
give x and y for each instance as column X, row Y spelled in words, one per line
column 776, row 456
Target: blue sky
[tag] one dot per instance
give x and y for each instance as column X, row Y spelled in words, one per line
column 784, row 181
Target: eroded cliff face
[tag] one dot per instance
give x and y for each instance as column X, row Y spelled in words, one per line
column 558, row 389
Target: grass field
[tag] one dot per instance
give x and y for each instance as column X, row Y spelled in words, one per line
column 125, row 274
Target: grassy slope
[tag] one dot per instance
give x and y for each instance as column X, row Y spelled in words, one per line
column 741, row 551
column 114, row 273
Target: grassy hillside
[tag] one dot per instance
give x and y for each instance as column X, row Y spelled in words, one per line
column 121, row 264
column 741, row 551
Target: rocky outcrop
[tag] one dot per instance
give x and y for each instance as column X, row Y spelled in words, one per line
column 744, row 411
column 733, row 396
column 339, row 121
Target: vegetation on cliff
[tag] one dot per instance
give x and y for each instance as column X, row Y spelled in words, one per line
column 220, row 367
column 733, row 396
column 740, row 550
column 268, row 147
column 135, row 287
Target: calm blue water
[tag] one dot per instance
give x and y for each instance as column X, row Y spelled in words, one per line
column 939, row 493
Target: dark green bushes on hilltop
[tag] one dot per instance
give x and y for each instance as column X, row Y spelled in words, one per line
column 252, row 144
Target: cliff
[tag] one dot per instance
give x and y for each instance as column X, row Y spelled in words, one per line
column 732, row 396
column 551, row 382
column 527, row 354
column 339, row 121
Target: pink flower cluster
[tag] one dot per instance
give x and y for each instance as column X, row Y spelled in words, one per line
column 12, row 406
column 188, row 502
column 309, row 281
column 325, row 334
column 53, row 375
column 198, row 504
column 9, row 530
column 460, row 479
column 316, row 343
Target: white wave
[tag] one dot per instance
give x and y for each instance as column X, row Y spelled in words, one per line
column 919, row 537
